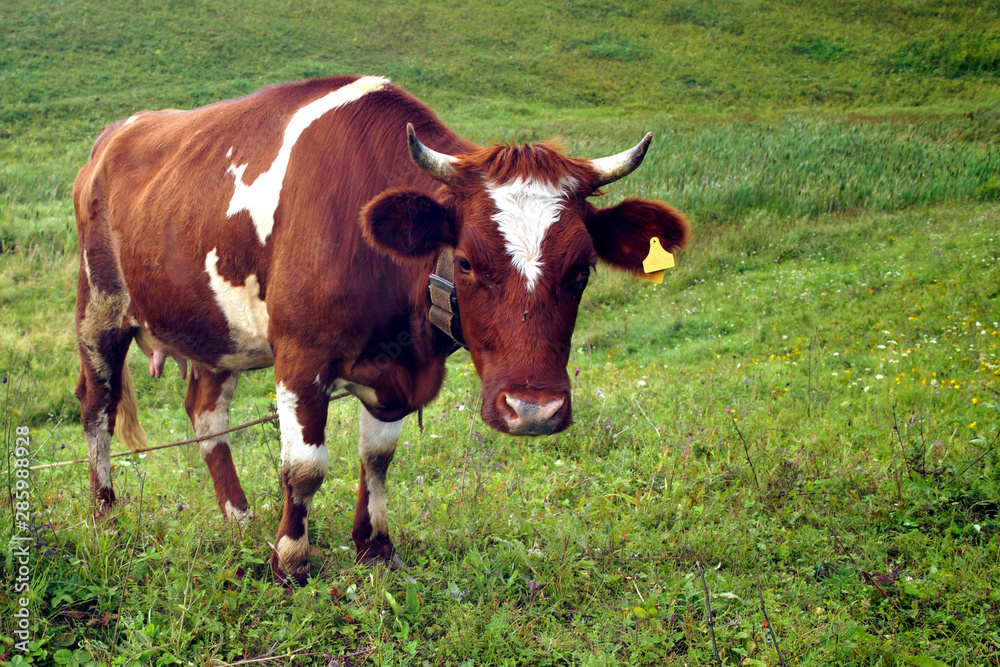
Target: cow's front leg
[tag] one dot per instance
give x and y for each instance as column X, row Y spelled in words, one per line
column 377, row 446
column 302, row 408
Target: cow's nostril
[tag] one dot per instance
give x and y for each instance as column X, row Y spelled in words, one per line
column 532, row 418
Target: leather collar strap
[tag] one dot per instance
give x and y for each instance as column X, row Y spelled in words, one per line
column 444, row 300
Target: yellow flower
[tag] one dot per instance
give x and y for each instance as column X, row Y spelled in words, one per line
column 973, row 424
column 975, row 400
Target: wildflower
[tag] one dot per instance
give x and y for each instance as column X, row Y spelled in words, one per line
column 641, row 383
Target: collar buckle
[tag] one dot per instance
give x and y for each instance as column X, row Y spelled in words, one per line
column 444, row 299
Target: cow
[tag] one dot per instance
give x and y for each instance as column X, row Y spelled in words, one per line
column 337, row 230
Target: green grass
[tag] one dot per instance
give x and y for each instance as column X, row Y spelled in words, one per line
column 810, row 398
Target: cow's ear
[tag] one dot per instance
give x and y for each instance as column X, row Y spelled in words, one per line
column 621, row 233
column 407, row 223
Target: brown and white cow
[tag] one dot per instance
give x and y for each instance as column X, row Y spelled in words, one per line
column 298, row 227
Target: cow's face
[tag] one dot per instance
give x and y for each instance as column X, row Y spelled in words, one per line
column 524, row 240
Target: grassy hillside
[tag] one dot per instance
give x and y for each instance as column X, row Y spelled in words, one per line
column 800, row 426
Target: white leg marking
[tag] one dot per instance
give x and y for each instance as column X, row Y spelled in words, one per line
column 294, row 551
column 260, row 198
column 99, row 449
column 377, row 438
column 295, row 452
column 214, row 421
column 246, row 314
column 526, row 210
column 104, row 312
column 237, row 515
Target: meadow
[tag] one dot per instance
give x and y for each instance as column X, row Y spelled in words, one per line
column 787, row 453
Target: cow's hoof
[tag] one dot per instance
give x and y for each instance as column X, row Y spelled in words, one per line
column 393, row 563
column 290, row 577
column 240, row 516
column 104, row 515
column 397, row 563
column 380, row 553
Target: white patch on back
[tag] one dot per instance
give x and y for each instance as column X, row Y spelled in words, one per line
column 260, row 198
column 527, row 209
column 246, row 314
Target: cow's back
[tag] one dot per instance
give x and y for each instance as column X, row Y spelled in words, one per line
column 236, row 217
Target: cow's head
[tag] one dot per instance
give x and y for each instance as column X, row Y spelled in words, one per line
column 524, row 240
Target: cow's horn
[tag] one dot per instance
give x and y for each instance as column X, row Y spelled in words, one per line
column 432, row 163
column 610, row 169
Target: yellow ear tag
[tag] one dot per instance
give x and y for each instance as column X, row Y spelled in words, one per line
column 656, row 263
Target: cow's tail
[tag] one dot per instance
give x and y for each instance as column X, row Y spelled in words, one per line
column 127, row 426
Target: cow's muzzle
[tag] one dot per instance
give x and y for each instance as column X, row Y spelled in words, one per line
column 525, row 417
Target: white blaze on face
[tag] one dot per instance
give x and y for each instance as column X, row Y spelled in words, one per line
column 526, row 210
column 260, row 198
column 246, row 314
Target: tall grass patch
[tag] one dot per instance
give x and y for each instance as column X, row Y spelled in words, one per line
column 802, row 166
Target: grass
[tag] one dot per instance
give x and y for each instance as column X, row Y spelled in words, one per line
column 805, row 412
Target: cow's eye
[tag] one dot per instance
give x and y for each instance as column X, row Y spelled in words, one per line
column 579, row 282
column 463, row 265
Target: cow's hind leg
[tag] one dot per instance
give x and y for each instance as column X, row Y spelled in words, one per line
column 207, row 404
column 376, row 446
column 103, row 337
